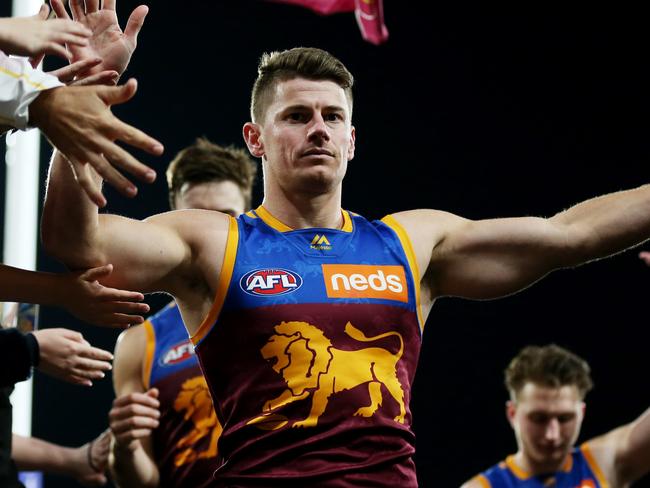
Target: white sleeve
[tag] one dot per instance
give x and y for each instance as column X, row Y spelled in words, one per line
column 20, row 84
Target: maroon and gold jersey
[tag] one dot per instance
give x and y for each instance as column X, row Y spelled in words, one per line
column 310, row 350
column 185, row 442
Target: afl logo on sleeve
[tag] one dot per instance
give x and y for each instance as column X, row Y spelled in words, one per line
column 365, row 281
column 270, row 282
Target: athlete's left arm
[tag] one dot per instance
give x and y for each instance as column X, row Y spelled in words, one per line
column 492, row 258
column 623, row 454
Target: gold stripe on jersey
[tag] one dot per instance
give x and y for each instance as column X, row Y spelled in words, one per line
column 390, row 221
column 148, row 354
column 593, row 464
column 276, row 224
column 223, row 284
column 483, row 481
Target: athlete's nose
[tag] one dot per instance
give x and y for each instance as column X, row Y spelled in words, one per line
column 552, row 430
column 318, row 129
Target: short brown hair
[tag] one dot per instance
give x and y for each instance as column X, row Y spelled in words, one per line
column 299, row 62
column 204, row 162
column 551, row 366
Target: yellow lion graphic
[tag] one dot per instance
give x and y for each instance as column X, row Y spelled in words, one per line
column 194, row 398
column 310, row 365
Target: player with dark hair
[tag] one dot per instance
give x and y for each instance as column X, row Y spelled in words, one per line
column 163, row 421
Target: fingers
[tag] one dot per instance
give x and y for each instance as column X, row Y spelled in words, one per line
column 43, row 12
column 78, row 9
column 118, row 94
column 59, row 9
column 67, row 73
column 135, row 23
column 108, row 5
column 109, row 173
column 92, row 6
column 94, row 274
column 108, row 78
column 93, row 356
column 86, row 181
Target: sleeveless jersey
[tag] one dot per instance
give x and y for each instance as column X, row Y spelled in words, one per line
column 580, row 471
column 185, row 442
column 311, row 348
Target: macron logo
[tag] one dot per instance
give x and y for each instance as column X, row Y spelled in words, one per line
column 365, row 281
column 320, row 243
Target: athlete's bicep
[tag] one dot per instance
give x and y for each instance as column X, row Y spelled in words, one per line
column 145, row 254
column 485, row 258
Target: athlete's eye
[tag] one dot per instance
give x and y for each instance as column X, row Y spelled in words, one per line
column 333, row 117
column 296, row 116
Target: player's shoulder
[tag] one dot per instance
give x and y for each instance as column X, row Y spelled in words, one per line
column 478, row 481
column 132, row 339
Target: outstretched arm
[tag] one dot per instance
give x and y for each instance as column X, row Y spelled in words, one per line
column 134, row 415
column 79, row 293
column 86, row 464
column 624, row 453
column 491, row 258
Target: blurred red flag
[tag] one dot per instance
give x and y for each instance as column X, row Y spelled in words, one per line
column 369, row 14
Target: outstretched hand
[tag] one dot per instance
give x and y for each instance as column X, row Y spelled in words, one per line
column 36, row 36
column 64, row 354
column 108, row 42
column 85, row 298
column 78, row 122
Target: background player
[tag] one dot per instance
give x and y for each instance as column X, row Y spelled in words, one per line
column 547, row 386
column 163, row 422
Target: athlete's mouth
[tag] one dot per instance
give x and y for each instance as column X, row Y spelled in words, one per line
column 317, row 151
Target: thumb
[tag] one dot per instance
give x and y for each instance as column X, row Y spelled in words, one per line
column 153, row 392
column 95, row 274
column 113, row 95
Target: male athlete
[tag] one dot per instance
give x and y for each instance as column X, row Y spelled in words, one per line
column 163, row 422
column 547, row 386
column 307, row 318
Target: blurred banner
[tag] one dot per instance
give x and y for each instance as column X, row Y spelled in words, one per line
column 369, row 14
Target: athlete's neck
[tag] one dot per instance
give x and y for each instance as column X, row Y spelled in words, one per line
column 533, row 468
column 322, row 211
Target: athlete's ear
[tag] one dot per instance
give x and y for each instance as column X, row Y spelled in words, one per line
column 511, row 410
column 253, row 138
column 353, row 136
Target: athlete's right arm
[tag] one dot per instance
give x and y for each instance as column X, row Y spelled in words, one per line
column 133, row 417
column 162, row 253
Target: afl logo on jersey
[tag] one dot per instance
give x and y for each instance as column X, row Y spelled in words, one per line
column 177, row 353
column 270, row 282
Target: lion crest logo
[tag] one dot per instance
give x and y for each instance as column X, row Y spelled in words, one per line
column 195, row 401
column 312, row 367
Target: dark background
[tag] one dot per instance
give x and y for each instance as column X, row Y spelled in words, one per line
column 467, row 108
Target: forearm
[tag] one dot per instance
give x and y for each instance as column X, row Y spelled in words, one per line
column 608, row 224
column 70, row 226
column 20, row 285
column 132, row 469
column 31, row 454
